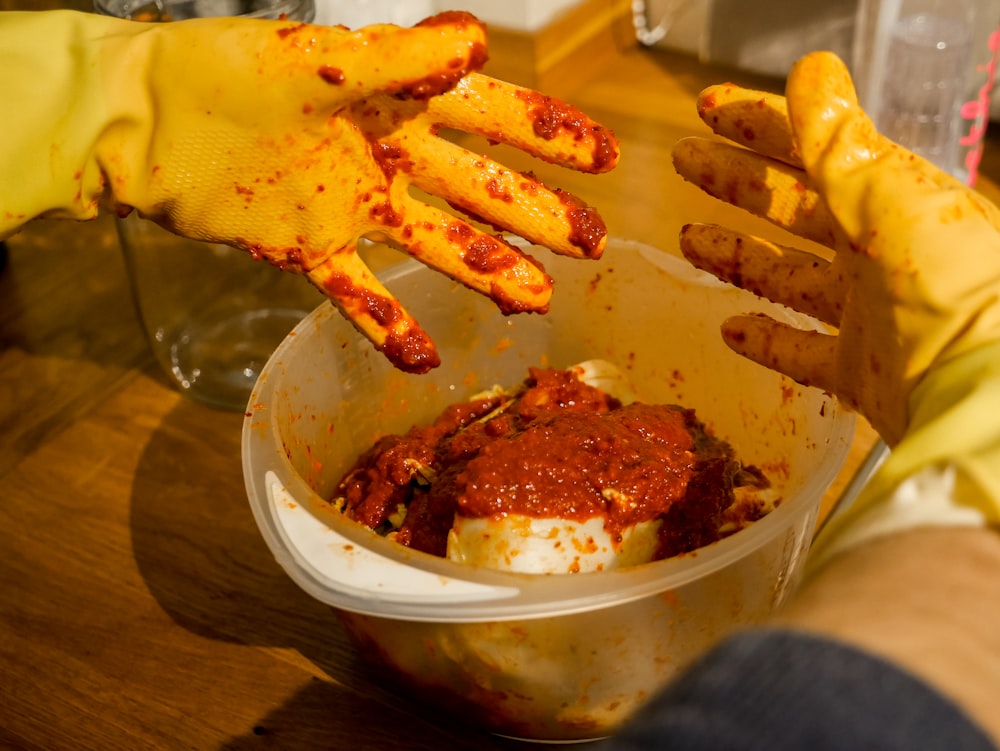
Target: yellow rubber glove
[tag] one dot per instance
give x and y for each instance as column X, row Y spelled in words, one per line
column 293, row 141
column 912, row 285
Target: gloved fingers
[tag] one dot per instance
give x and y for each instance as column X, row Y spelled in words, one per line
column 542, row 126
column 792, row 277
column 482, row 262
column 808, row 357
column 506, row 199
column 863, row 172
column 757, row 120
column 419, row 62
column 765, row 187
column 835, row 136
column 361, row 297
column 280, row 72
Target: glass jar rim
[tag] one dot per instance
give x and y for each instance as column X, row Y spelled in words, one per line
column 299, row 10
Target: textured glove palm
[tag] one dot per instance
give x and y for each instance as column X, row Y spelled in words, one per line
column 293, row 141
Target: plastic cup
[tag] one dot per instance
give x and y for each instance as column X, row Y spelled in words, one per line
column 925, row 70
column 542, row 657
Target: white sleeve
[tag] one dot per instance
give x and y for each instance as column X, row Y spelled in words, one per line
column 926, row 499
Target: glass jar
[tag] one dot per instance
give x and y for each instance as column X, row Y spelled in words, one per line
column 212, row 314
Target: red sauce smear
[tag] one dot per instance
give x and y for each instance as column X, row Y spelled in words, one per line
column 456, row 70
column 390, row 158
column 561, row 449
column 586, row 227
column 551, row 117
column 331, row 75
column 406, row 345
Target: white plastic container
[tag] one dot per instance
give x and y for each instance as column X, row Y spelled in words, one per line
column 545, row 657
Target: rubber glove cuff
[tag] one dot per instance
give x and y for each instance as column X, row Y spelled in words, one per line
column 945, row 471
column 50, row 137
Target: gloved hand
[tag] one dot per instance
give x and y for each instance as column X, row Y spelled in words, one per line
column 293, row 141
column 912, row 285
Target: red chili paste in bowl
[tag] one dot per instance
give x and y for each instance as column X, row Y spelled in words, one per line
column 554, row 448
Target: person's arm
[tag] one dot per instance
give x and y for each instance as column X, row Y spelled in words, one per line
column 928, row 600
column 293, row 141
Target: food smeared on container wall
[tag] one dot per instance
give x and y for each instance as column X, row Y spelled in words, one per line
column 555, row 475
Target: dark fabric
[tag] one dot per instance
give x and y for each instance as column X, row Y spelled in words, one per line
column 775, row 690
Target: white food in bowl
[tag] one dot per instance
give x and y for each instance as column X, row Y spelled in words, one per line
column 549, row 545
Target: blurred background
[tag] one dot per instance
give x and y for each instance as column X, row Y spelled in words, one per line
column 763, row 37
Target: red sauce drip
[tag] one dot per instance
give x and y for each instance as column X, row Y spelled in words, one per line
column 606, row 151
column 333, row 76
column 290, row 258
column 551, row 117
column 406, row 345
column 496, row 189
column 382, row 309
column 391, row 158
column 511, row 305
column 489, row 256
column 412, row 351
column 709, row 102
column 482, row 253
column 450, row 18
column 288, row 31
column 383, row 213
column 587, row 229
column 444, row 80
column 457, row 69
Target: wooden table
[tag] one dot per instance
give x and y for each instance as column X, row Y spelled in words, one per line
column 139, row 606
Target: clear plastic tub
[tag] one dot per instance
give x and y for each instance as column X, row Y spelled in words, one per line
column 544, row 657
